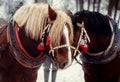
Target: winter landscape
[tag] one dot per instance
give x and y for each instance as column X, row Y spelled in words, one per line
column 74, row 73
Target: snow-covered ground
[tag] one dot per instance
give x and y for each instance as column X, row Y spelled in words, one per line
column 72, row 74
column 8, row 7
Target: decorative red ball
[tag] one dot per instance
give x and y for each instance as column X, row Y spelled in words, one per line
column 41, row 47
column 83, row 47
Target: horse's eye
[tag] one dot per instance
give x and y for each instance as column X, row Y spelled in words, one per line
column 62, row 50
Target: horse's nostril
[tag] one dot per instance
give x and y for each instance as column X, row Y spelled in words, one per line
column 63, row 64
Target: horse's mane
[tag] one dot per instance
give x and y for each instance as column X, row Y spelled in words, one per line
column 96, row 21
column 34, row 18
column 98, row 28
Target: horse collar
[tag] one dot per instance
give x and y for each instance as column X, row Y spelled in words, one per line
column 107, row 55
column 19, row 53
column 106, row 51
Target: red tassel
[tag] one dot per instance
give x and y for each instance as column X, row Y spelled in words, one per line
column 48, row 41
column 41, row 47
column 84, row 47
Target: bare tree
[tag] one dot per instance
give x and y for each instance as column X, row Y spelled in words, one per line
column 98, row 8
column 44, row 1
column 77, row 4
column 113, row 4
column 96, row 2
column 81, row 2
column 88, row 8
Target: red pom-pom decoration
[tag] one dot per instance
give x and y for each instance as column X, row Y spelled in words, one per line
column 41, row 47
column 83, row 47
column 48, row 41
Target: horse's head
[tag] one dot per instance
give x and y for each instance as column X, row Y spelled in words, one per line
column 41, row 30
column 61, row 38
column 93, row 33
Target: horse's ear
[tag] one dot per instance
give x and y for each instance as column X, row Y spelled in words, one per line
column 52, row 13
column 68, row 12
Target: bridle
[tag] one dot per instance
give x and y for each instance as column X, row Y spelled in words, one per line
column 20, row 55
column 84, row 41
column 104, row 56
column 47, row 45
column 83, row 34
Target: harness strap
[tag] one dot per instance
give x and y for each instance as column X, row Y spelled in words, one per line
column 57, row 47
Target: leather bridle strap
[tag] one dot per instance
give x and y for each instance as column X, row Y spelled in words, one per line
column 80, row 38
column 79, row 41
column 58, row 47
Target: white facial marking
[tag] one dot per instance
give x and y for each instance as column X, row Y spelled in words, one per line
column 66, row 33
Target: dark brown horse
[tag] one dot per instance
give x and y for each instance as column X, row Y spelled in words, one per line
column 97, row 37
column 34, row 32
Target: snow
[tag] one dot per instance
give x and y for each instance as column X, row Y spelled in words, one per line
column 73, row 73
column 8, row 7
column 71, row 5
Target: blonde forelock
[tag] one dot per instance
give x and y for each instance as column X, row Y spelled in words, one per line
column 34, row 16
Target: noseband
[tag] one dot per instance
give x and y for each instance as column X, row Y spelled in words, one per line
column 52, row 51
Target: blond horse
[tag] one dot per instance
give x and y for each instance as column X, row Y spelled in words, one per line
column 35, row 32
column 36, row 18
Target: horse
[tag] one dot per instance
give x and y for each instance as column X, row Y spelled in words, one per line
column 35, row 31
column 96, row 38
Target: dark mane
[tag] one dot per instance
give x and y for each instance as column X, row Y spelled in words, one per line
column 100, row 54
column 97, row 26
column 96, row 21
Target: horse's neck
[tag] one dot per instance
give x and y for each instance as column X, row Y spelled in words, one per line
column 3, row 36
column 30, row 45
column 3, row 32
column 99, row 42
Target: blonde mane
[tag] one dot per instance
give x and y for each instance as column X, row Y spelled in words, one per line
column 34, row 18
